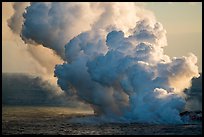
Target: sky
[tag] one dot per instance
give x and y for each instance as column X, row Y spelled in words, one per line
column 182, row 21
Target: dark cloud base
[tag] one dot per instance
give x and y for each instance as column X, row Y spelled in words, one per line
column 20, row 89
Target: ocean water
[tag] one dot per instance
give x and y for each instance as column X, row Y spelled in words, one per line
column 56, row 121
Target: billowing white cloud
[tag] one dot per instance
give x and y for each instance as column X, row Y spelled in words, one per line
column 113, row 58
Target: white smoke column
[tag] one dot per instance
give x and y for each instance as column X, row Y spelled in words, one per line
column 127, row 78
column 53, row 24
column 114, row 58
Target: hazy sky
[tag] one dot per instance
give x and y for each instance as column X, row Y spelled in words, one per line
column 183, row 22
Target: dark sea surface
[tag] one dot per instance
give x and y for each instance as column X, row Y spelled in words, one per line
column 56, row 121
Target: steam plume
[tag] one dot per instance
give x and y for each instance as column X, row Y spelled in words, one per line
column 113, row 59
